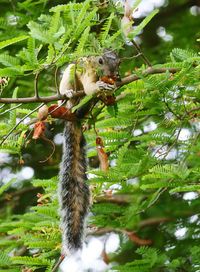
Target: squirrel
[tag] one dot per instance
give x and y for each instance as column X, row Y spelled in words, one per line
column 74, row 193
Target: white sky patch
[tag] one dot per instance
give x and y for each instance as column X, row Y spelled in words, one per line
column 58, row 139
column 147, row 6
column 6, row 175
column 138, row 40
column 115, row 187
column 195, row 10
column 112, row 243
column 169, row 116
column 161, row 152
column 195, row 123
column 172, row 154
column 190, row 196
column 25, row 121
column 5, row 158
column 150, row 126
column 90, row 175
column 133, row 181
column 184, row 134
column 113, row 162
column 180, row 233
column 26, row 173
column 161, row 32
column 193, row 218
column 137, row 132
column 169, row 248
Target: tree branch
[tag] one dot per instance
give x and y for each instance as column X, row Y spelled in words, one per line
column 39, row 99
column 148, row 71
column 124, row 81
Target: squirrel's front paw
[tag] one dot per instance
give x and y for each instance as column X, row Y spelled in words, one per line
column 69, row 93
column 105, row 86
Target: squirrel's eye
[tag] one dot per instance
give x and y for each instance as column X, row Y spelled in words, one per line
column 100, row 61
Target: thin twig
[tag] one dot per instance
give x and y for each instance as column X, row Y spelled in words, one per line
column 160, row 191
column 133, row 57
column 13, row 108
column 1, row 107
column 36, row 85
column 139, row 51
column 124, row 81
column 56, row 82
column 53, row 149
column 58, row 264
column 10, row 132
column 170, row 109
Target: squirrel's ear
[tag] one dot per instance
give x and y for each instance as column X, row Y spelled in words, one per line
column 110, row 53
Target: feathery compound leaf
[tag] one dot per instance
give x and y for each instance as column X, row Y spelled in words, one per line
column 82, row 41
column 52, row 183
column 32, row 51
column 115, row 122
column 54, row 23
column 182, row 55
column 31, row 261
column 186, row 188
column 106, row 28
column 8, row 60
column 11, row 270
column 11, row 71
column 4, row 259
column 89, row 20
column 83, row 12
column 12, row 41
column 112, row 38
column 67, row 7
column 46, row 210
column 136, row 4
column 138, row 28
column 5, row 187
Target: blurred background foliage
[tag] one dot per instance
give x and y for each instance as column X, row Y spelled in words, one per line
column 150, row 196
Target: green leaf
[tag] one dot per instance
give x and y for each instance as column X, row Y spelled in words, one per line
column 138, row 28
column 6, row 43
column 31, row 261
column 82, row 41
column 185, row 188
column 5, row 187
column 106, row 28
column 83, row 102
column 113, row 110
column 4, row 259
column 11, row 71
column 8, row 60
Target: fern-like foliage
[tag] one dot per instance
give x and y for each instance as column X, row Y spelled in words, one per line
column 150, row 135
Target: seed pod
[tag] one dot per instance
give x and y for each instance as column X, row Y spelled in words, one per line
column 43, row 112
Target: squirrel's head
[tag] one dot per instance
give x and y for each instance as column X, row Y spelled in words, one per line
column 109, row 63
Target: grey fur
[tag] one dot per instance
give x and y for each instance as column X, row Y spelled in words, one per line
column 74, row 194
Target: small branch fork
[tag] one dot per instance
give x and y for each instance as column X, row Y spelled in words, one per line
column 124, row 81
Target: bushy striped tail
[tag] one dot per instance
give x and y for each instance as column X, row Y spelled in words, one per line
column 74, row 195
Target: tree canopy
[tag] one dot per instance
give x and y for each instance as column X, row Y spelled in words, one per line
column 149, row 194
